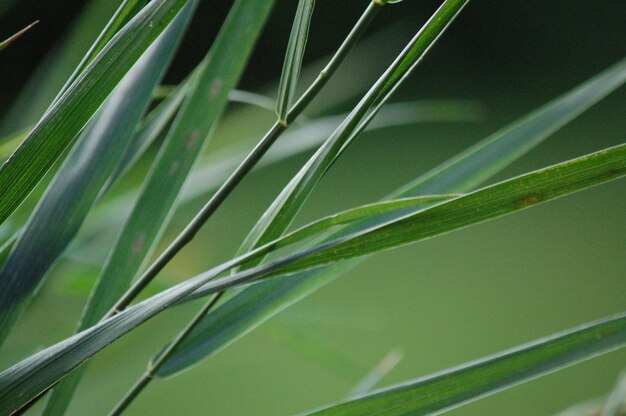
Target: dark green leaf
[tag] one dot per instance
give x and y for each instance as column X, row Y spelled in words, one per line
column 27, row 379
column 256, row 304
column 64, row 120
column 293, row 57
column 285, row 207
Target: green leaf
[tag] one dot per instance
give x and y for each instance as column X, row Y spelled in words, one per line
column 443, row 391
column 99, row 153
column 64, row 120
column 254, row 305
column 219, row 165
column 26, row 380
column 281, row 213
column 487, row 203
column 80, row 180
column 13, row 38
column 293, row 57
column 56, row 66
column 123, row 14
column 209, row 89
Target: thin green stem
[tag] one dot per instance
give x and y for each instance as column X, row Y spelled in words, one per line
column 153, row 367
column 249, row 162
column 218, row 198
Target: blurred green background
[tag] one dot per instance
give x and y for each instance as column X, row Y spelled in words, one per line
column 449, row 300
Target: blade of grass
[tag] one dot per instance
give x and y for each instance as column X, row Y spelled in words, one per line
column 79, row 188
column 293, row 58
column 441, row 392
column 281, row 213
column 185, row 140
column 27, row 379
column 13, row 38
column 56, row 66
column 254, row 305
column 249, row 162
column 80, row 180
column 126, row 11
column 64, row 120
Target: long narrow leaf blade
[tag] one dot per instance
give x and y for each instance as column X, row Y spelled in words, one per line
column 187, row 137
column 487, row 203
column 253, row 306
column 27, row 379
column 64, row 120
column 78, row 183
column 285, row 207
column 451, row 388
column 117, row 126
column 293, row 57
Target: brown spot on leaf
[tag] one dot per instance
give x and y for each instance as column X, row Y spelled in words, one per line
column 139, row 243
column 174, row 168
column 192, row 138
column 216, row 88
column 527, row 201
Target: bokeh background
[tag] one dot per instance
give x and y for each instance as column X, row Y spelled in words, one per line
column 441, row 302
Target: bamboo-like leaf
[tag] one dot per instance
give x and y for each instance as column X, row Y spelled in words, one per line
column 487, row 203
column 79, row 181
column 451, row 388
column 285, row 207
column 206, row 99
column 99, row 153
column 14, row 37
column 216, row 168
column 254, row 305
column 123, row 14
column 27, row 379
column 56, row 66
column 64, row 120
column 293, row 57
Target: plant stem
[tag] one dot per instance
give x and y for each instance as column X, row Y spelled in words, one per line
column 153, row 367
column 220, row 195
column 249, row 162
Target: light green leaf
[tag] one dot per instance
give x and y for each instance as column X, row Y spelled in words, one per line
column 26, row 380
column 285, row 207
column 254, row 305
column 64, row 120
column 293, row 57
column 219, row 165
column 451, row 388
